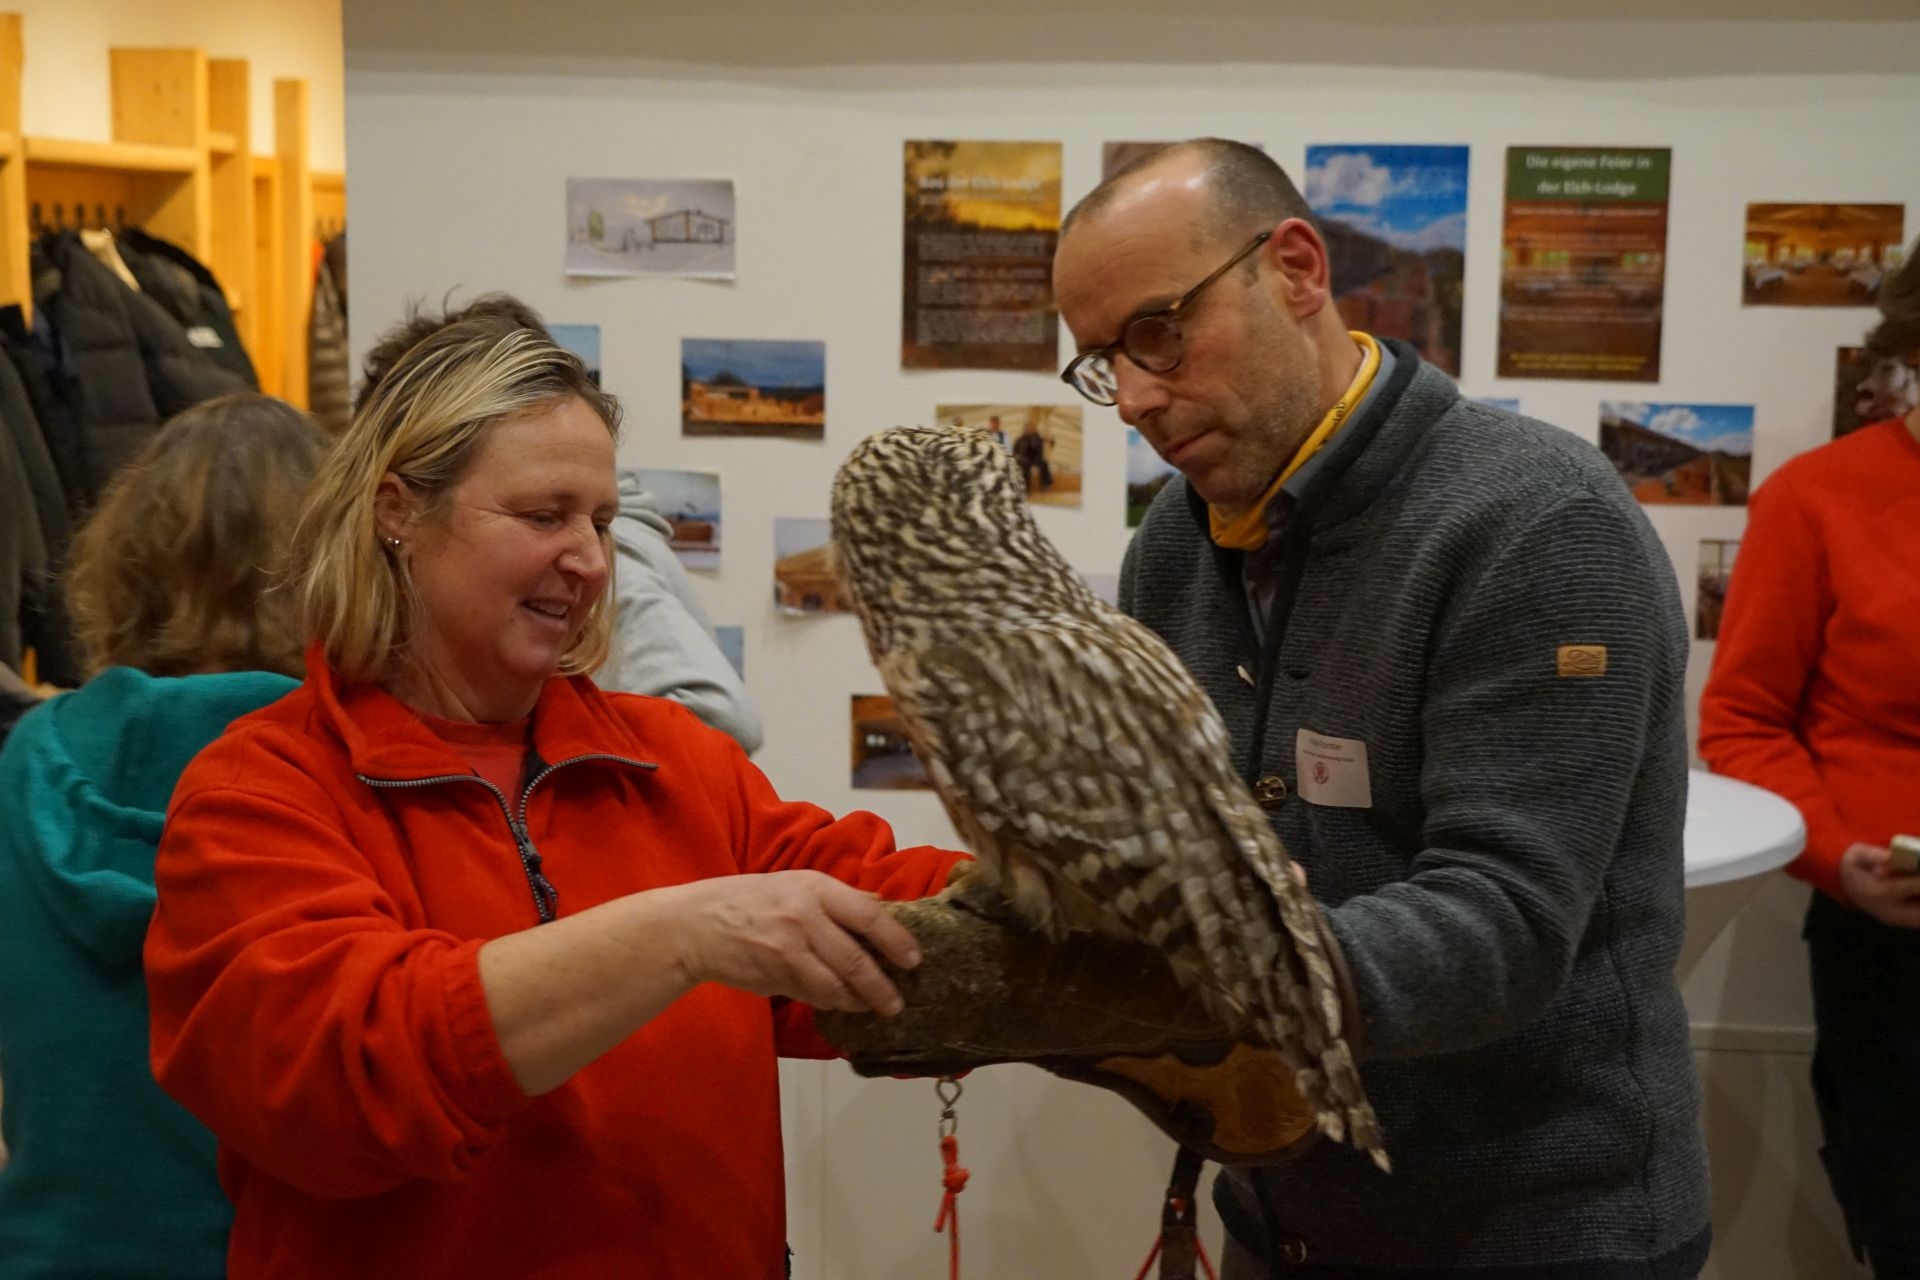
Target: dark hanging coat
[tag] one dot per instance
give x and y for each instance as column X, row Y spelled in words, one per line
column 188, row 290
column 31, row 355
column 128, row 366
column 34, row 533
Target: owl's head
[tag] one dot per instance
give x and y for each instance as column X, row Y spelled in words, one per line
column 933, row 535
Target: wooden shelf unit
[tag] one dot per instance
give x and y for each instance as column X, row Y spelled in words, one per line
column 181, row 165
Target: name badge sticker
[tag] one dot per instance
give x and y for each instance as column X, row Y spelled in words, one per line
column 1332, row 771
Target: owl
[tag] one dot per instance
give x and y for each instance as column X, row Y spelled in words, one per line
column 1086, row 769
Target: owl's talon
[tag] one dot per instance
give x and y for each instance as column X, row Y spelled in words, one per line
column 981, row 899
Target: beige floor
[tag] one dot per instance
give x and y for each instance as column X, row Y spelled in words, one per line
column 1772, row 1214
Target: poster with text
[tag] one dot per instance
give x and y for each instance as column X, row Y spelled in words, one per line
column 805, row 579
column 883, row 758
column 981, row 222
column 645, row 227
column 1584, row 263
column 741, row 387
column 689, row 501
column 1869, row 389
column 1820, row 255
column 1147, row 475
column 1395, row 222
column 582, row 340
column 1044, row 439
column 1710, row 595
column 1686, row 454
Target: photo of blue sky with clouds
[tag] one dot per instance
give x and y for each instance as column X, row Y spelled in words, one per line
column 1711, row 428
column 1412, row 197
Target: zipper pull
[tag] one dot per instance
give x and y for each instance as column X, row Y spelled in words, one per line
column 546, row 897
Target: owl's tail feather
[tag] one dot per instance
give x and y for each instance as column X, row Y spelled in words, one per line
column 1303, row 999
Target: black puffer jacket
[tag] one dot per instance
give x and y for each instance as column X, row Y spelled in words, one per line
column 183, row 285
column 34, row 532
column 128, row 365
column 23, row 552
column 31, row 357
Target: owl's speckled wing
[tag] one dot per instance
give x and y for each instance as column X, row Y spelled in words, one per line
column 1093, row 779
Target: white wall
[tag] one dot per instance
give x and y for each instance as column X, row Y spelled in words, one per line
column 458, row 182
column 66, row 91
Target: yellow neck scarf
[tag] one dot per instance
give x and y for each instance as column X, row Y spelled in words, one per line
column 1246, row 529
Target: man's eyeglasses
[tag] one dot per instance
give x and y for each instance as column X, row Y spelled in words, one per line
column 1152, row 341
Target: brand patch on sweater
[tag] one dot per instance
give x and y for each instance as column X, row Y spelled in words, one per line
column 1332, row 771
column 1583, row 660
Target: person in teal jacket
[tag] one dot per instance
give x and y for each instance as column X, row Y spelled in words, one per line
column 171, row 587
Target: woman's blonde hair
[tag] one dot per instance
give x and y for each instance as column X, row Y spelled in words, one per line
column 178, row 569
column 436, row 385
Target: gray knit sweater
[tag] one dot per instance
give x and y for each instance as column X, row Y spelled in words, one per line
column 1511, row 902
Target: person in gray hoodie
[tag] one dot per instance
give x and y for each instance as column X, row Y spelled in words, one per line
column 663, row 643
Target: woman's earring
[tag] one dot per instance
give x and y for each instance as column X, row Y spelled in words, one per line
column 394, row 543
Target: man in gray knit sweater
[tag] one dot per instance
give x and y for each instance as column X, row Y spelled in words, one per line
column 1451, row 650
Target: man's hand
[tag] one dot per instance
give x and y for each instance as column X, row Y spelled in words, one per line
column 1889, row 896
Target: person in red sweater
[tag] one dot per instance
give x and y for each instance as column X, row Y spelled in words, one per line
column 473, row 969
column 1815, row 695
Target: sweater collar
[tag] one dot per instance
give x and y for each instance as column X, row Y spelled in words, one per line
column 1321, row 497
column 386, row 741
column 1248, row 528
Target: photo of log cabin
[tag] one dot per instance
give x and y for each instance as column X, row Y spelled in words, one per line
column 689, row 501
column 736, row 387
column 1686, row 454
column 1820, row 255
column 650, row 227
column 805, row 579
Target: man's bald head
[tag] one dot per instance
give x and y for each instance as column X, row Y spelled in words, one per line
column 1243, row 189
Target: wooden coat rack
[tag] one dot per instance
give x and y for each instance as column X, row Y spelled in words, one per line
column 181, row 165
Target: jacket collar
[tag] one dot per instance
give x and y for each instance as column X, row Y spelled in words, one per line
column 385, row 741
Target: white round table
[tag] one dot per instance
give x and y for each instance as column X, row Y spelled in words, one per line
column 1736, row 830
column 1735, row 833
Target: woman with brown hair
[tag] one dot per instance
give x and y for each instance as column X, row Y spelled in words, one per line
column 475, row 969
column 171, row 587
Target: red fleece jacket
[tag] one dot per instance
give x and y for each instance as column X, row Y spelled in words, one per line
column 317, row 1003
column 1815, row 690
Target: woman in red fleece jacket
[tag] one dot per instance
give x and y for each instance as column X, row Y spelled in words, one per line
column 468, row 964
column 1815, row 694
